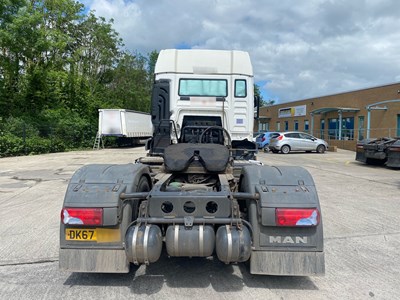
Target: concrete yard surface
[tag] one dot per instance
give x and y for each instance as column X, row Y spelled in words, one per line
column 361, row 216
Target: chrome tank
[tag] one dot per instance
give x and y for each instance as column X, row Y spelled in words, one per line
column 232, row 244
column 198, row 240
column 143, row 244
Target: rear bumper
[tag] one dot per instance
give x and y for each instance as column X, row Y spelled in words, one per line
column 379, row 155
column 94, row 260
column 287, row 263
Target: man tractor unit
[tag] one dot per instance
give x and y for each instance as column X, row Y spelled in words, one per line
column 197, row 193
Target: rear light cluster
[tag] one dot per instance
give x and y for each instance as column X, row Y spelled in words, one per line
column 263, row 139
column 360, row 146
column 279, row 138
column 394, row 149
column 290, row 217
column 82, row 216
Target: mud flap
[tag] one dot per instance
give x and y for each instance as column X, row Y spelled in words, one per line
column 100, row 186
column 287, row 263
column 94, row 260
column 394, row 155
column 277, row 250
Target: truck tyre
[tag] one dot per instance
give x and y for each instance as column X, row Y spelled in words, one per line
column 285, row 149
column 143, row 186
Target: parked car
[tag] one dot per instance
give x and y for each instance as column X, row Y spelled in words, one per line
column 256, row 135
column 297, row 141
column 263, row 139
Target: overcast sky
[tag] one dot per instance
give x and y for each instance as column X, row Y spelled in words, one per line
column 299, row 49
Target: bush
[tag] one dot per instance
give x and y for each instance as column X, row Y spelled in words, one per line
column 71, row 128
column 19, row 127
column 32, row 136
column 11, row 145
column 37, row 145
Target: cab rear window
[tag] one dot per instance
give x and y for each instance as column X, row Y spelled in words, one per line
column 203, row 87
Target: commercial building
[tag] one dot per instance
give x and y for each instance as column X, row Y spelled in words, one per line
column 341, row 118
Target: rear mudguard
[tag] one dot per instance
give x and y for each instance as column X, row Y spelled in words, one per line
column 360, row 156
column 101, row 186
column 282, row 250
column 393, row 160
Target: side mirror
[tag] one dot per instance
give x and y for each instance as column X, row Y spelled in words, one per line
column 256, row 107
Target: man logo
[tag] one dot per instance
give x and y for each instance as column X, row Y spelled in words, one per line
column 288, row 240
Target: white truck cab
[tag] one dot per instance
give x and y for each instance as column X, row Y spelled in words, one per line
column 205, row 88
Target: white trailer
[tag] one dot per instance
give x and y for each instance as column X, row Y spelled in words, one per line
column 131, row 126
column 125, row 123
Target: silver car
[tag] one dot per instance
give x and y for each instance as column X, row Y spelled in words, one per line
column 297, row 141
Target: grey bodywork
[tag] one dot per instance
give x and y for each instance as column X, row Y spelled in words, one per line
column 385, row 150
column 228, row 212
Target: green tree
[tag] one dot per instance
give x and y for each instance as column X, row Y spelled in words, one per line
column 263, row 102
column 129, row 87
column 9, row 56
column 58, row 66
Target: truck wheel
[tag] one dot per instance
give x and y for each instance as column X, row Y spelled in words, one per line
column 321, row 149
column 143, row 186
column 285, row 149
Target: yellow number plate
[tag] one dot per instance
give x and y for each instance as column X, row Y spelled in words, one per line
column 81, row 234
column 99, row 235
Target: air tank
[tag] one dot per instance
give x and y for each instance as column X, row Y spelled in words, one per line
column 143, row 244
column 233, row 244
column 197, row 241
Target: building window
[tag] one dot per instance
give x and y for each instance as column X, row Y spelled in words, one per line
column 347, row 129
column 333, row 129
column 306, row 126
column 296, row 125
column 263, row 127
column 278, row 126
column 398, row 125
column 286, row 125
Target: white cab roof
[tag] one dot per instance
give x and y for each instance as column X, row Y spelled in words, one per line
column 196, row 61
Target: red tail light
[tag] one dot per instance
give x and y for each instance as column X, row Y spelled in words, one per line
column 263, row 139
column 360, row 146
column 297, row 217
column 82, row 216
column 279, row 138
column 394, row 149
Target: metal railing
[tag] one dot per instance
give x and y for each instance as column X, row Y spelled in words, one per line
column 354, row 134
